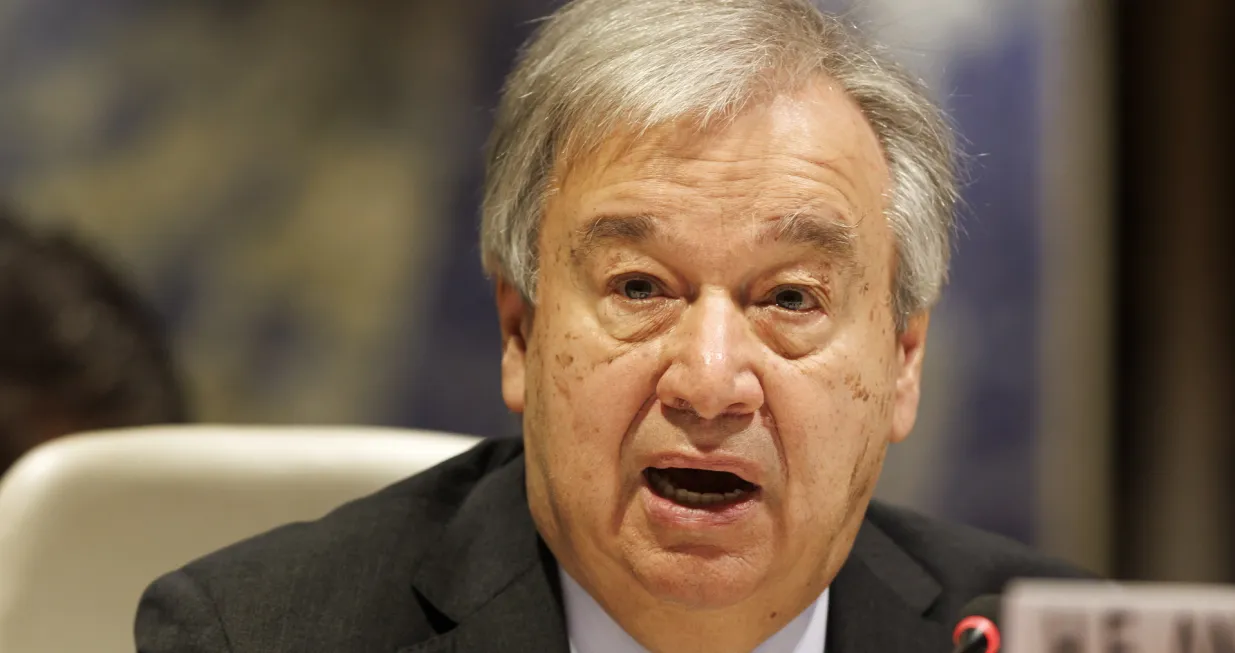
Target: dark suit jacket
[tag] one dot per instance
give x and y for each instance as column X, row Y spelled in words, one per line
column 449, row 560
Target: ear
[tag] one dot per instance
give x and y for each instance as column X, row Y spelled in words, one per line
column 911, row 347
column 514, row 319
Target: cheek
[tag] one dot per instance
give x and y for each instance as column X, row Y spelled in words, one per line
column 589, row 395
column 593, row 389
column 833, row 413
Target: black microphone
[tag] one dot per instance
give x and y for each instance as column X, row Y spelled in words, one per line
column 978, row 630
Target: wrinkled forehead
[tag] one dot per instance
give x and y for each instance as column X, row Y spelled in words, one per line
column 815, row 132
column 807, row 153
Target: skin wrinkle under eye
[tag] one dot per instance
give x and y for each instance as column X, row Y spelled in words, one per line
column 774, row 326
column 780, row 329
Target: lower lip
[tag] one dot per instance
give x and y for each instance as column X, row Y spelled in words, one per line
column 674, row 514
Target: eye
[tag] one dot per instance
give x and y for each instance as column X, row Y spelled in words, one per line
column 638, row 288
column 795, row 299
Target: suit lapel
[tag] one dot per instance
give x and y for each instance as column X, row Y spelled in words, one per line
column 490, row 578
column 524, row 617
column 880, row 599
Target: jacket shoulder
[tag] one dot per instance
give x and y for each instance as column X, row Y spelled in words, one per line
column 355, row 564
column 966, row 562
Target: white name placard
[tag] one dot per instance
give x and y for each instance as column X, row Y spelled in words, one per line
column 1100, row 617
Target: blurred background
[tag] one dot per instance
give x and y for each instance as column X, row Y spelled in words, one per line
column 293, row 185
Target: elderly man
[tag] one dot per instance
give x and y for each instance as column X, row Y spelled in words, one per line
column 716, row 228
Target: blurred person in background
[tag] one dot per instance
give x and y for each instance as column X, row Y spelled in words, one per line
column 79, row 350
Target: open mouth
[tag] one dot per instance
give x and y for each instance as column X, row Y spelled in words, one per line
column 699, row 488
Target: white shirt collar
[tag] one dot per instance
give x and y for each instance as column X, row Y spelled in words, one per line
column 592, row 630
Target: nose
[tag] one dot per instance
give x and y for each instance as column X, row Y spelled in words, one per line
column 711, row 368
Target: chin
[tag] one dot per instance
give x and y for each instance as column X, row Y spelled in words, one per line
column 699, row 578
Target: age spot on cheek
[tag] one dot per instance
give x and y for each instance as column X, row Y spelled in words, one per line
column 860, row 391
column 566, row 365
column 563, row 388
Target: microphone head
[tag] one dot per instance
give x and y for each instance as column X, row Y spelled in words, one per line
column 977, row 631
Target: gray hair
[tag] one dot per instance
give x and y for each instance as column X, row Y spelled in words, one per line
column 597, row 67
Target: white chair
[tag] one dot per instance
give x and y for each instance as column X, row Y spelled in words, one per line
column 87, row 521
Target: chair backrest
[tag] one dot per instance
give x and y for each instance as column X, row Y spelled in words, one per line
column 87, row 521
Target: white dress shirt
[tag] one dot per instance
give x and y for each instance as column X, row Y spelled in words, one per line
column 592, row 630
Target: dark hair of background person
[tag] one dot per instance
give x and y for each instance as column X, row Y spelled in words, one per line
column 79, row 350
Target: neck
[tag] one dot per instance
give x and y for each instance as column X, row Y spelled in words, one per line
column 663, row 627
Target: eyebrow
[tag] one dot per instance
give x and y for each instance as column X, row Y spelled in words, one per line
column 604, row 229
column 828, row 235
